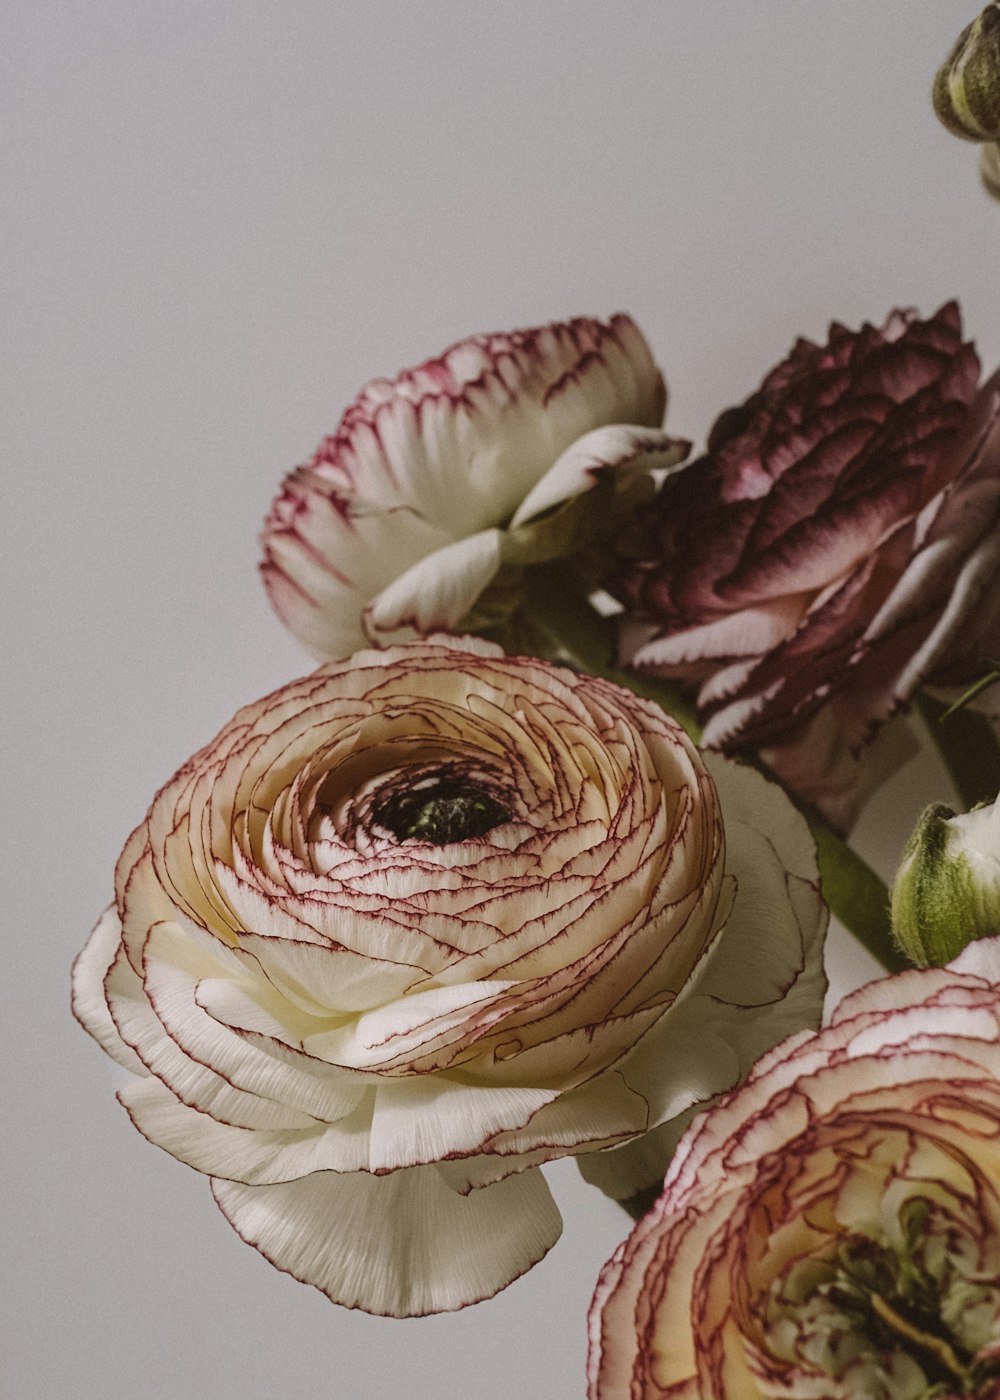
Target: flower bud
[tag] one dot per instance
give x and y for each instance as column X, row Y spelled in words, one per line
column 947, row 889
column 966, row 91
column 989, row 168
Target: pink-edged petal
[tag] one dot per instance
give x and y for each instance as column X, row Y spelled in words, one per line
column 325, row 556
column 615, row 451
column 405, row 1029
column 398, row 1246
column 748, row 632
column 89, row 1002
column 241, row 1062
column 258, row 1155
column 321, row 980
column 762, row 980
column 199, row 1085
column 428, row 1118
column 436, row 593
column 597, row 1114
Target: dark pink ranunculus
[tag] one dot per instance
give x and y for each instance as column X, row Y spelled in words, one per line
column 837, row 546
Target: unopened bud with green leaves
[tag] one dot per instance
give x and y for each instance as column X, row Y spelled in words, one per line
column 947, row 889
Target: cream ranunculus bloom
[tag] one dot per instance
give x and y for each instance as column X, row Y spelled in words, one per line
column 415, row 924
column 831, row 1230
column 438, row 488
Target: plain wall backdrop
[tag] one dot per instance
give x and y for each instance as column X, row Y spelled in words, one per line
column 220, row 220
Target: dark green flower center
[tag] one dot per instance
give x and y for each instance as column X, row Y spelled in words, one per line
column 440, row 810
column 893, row 1299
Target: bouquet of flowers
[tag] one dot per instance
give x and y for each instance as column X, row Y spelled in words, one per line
column 538, row 862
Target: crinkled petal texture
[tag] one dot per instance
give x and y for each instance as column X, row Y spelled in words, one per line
column 838, row 545
column 831, row 1229
column 439, row 487
column 414, row 925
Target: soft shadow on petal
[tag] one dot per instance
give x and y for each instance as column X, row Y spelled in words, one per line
column 90, row 1006
column 763, row 980
column 436, row 593
column 398, row 1246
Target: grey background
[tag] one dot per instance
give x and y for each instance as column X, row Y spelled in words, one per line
column 221, row 219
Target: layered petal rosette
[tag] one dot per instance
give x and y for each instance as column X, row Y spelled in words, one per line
column 838, row 545
column 420, row 922
column 421, row 512
column 832, row 1229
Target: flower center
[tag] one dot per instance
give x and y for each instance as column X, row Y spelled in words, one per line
column 440, row 809
column 893, row 1305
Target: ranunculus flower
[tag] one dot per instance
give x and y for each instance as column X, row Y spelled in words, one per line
column 838, row 546
column 831, row 1230
column 415, row 924
column 421, row 512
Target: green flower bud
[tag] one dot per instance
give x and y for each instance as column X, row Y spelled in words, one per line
column 966, row 91
column 989, row 168
column 947, row 889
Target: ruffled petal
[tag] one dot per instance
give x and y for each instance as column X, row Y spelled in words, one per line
column 90, row 1004
column 445, row 452
column 398, row 1246
column 762, row 981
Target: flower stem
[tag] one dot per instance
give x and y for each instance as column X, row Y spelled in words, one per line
column 967, row 743
column 585, row 640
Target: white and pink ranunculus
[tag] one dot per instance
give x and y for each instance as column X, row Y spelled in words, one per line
column 838, row 546
column 418, row 923
column 422, row 511
column 831, row 1230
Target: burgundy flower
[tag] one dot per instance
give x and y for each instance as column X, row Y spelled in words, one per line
column 835, row 547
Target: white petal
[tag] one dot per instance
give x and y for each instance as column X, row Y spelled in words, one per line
column 429, row 1117
column 436, row 593
column 405, row 1028
column 450, row 448
column 244, row 1064
column 619, row 448
column 256, row 1155
column 399, row 1246
column 763, row 980
column 751, row 632
column 90, row 1006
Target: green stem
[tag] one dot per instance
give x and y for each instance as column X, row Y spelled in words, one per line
column 854, row 893
column 968, row 746
column 586, row 640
